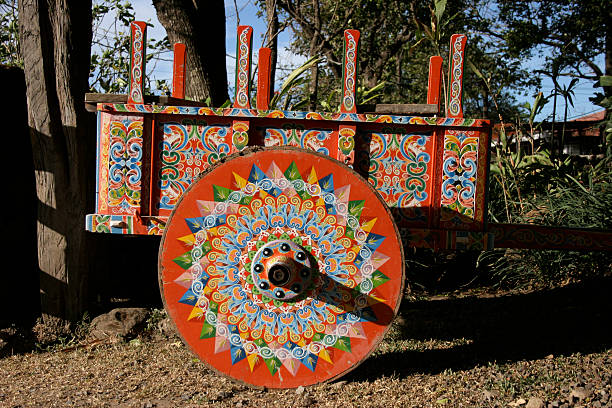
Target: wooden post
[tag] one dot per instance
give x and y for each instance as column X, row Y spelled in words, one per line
column 263, row 79
column 349, row 71
column 454, row 109
column 137, row 61
column 435, row 77
column 243, row 67
column 178, row 71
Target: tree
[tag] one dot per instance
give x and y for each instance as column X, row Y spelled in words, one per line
column 110, row 56
column 575, row 34
column 200, row 25
column 397, row 39
column 9, row 35
column 55, row 39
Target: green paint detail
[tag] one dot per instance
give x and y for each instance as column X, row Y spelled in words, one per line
column 208, row 331
column 378, row 278
column 259, row 244
column 206, row 247
column 251, row 255
column 343, row 343
column 273, row 363
column 249, row 278
column 246, row 200
column 292, row 172
column 318, row 337
column 285, row 236
column 349, row 232
column 356, row 207
column 184, row 261
column 278, row 303
column 221, row 193
column 272, row 237
column 297, row 240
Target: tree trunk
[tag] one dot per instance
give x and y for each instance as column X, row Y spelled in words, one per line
column 608, row 56
column 55, row 44
column 313, row 88
column 272, row 39
column 200, row 25
column 554, row 119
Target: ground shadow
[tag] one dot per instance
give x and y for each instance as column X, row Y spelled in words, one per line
column 513, row 327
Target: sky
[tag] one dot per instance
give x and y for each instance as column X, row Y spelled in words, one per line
column 246, row 11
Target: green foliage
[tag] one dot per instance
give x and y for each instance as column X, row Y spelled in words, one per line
column 110, row 57
column 285, row 97
column 606, row 103
column 9, row 34
column 539, row 188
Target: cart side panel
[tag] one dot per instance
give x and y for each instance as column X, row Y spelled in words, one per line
column 121, row 157
column 398, row 162
column 319, row 137
column 120, row 145
column 187, row 147
column 462, row 179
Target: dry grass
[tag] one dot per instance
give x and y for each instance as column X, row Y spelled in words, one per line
column 484, row 351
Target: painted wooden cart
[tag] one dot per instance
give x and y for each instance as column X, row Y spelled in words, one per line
column 281, row 261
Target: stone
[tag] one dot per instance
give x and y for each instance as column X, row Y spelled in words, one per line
column 579, row 393
column 535, row 402
column 489, row 395
column 299, row 390
column 121, row 323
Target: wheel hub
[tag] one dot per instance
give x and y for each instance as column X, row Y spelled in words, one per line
column 282, row 269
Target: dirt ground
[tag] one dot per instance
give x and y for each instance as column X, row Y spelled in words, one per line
column 548, row 348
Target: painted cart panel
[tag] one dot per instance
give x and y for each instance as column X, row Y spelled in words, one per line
column 430, row 170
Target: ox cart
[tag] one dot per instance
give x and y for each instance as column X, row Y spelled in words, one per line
column 281, row 261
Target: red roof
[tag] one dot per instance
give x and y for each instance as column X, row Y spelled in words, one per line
column 593, row 117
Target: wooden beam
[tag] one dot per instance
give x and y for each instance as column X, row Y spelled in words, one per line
column 435, row 78
column 349, row 72
column 178, row 71
column 93, row 99
column 263, row 79
column 400, row 109
column 243, row 67
column 138, row 58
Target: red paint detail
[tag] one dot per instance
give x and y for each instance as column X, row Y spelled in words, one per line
column 137, row 62
column 435, row 78
column 223, row 176
column 178, row 71
column 455, row 75
column 243, row 67
column 263, row 79
column 349, row 72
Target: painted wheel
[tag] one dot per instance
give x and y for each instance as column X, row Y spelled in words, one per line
column 281, row 267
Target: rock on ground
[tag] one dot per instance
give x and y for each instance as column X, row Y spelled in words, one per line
column 122, row 323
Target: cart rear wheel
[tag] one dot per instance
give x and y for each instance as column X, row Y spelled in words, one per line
column 281, row 267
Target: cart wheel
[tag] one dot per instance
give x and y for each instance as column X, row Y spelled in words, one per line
column 281, row 267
